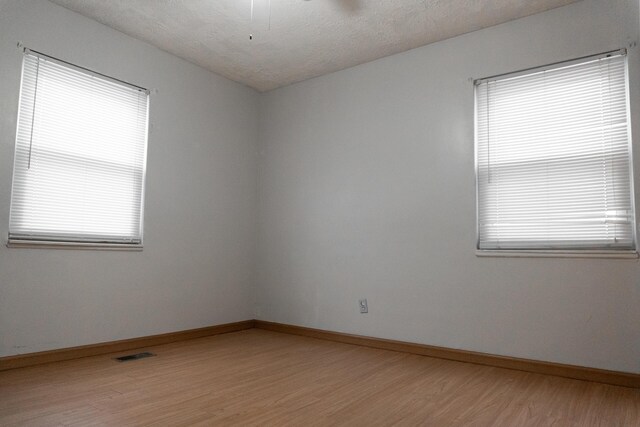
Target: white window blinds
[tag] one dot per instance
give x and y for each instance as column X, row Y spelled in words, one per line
column 553, row 158
column 80, row 156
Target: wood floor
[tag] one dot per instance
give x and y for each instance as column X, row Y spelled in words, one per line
column 258, row 377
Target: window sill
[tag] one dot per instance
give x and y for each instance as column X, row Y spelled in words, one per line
column 39, row 244
column 557, row 254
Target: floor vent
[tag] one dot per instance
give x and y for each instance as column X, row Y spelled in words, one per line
column 134, row 356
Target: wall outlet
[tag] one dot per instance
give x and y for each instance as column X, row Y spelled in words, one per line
column 364, row 308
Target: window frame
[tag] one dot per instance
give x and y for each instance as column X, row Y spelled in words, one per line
column 631, row 253
column 80, row 241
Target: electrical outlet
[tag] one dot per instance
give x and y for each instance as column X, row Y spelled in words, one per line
column 364, row 308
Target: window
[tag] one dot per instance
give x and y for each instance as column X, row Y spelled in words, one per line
column 553, row 158
column 80, row 156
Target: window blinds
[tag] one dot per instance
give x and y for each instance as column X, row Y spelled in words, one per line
column 553, row 158
column 80, row 156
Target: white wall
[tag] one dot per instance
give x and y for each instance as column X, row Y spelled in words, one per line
column 366, row 189
column 197, row 265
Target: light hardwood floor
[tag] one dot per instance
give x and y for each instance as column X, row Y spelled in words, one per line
column 261, row 377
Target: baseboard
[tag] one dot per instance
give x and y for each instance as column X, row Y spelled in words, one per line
column 30, row 359
column 568, row 371
column 624, row 379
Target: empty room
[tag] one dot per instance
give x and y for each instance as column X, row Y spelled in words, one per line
column 319, row 212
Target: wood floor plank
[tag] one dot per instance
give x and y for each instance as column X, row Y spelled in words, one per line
column 258, row 377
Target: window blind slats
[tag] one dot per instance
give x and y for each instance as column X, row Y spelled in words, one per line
column 553, row 159
column 80, row 157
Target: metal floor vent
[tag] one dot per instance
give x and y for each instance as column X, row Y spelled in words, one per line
column 134, row 356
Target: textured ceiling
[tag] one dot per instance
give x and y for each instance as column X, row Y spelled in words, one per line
column 297, row 39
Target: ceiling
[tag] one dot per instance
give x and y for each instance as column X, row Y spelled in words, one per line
column 294, row 40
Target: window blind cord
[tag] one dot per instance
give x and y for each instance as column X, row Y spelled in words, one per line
column 606, row 151
column 33, row 113
column 488, row 136
column 546, row 103
column 604, row 148
column 613, row 175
